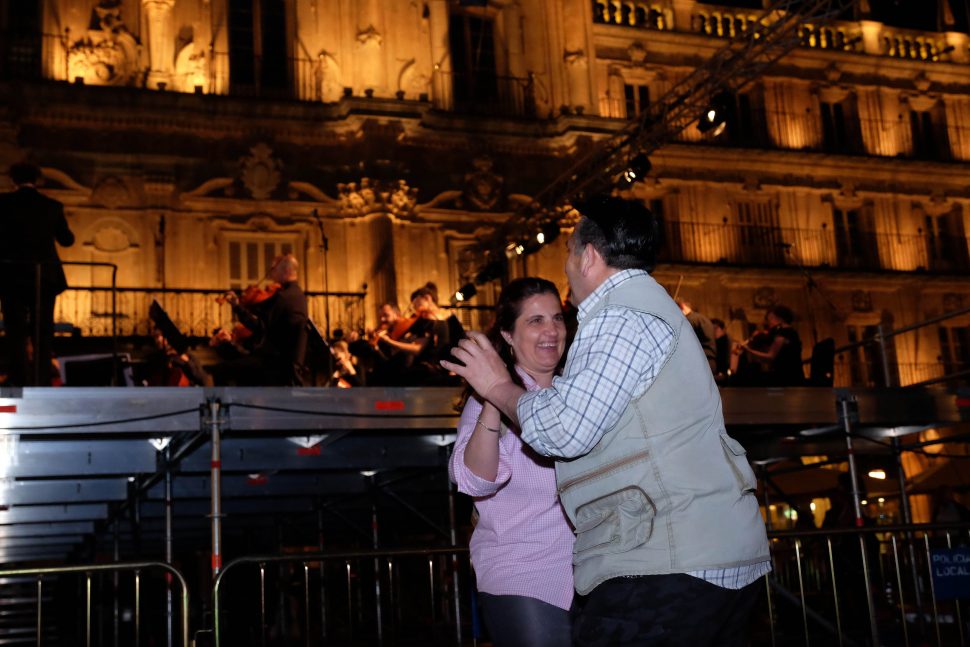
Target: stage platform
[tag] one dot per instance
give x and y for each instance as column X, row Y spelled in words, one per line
column 83, row 463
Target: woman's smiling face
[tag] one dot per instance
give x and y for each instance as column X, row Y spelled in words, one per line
column 539, row 336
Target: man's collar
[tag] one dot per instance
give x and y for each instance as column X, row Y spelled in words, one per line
column 603, row 288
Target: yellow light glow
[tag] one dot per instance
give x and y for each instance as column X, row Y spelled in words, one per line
column 878, row 474
column 812, row 506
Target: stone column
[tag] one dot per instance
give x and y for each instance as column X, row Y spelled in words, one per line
column 441, row 89
column 871, row 36
column 161, row 45
column 683, row 12
column 371, row 66
column 958, row 41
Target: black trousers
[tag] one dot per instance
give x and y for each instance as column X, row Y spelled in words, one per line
column 665, row 610
column 20, row 316
column 520, row 621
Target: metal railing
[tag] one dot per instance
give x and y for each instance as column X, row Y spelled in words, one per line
column 633, row 13
column 91, row 608
column 96, row 310
column 360, row 596
column 850, row 586
column 485, row 94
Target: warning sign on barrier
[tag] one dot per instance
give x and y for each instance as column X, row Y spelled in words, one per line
column 951, row 573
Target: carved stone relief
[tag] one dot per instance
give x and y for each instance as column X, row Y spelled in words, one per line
column 108, row 53
column 764, row 298
column 191, row 69
column 111, row 236
column 483, row 187
column 260, row 171
column 861, row 301
column 355, row 199
column 112, row 192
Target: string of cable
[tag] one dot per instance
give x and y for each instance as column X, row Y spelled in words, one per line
column 106, row 423
column 343, row 414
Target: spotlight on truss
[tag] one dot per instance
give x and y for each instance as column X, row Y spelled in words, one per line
column 637, row 170
column 547, row 233
column 491, row 272
column 465, row 292
column 715, row 118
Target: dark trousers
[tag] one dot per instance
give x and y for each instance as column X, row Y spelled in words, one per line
column 520, row 621
column 665, row 610
column 20, row 318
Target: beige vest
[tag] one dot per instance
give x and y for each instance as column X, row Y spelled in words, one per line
column 665, row 490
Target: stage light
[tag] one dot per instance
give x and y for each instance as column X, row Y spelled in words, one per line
column 465, row 292
column 492, row 272
column 715, row 118
column 637, row 170
column 547, row 233
column 878, row 474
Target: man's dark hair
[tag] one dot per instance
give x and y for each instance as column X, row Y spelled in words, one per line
column 24, row 173
column 719, row 323
column 625, row 232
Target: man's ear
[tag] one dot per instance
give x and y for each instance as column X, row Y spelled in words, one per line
column 590, row 258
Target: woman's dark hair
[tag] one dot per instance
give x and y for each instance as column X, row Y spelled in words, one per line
column 784, row 313
column 625, row 232
column 429, row 289
column 508, row 309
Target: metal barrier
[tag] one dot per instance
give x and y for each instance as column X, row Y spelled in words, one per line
column 88, row 570
column 349, row 574
column 855, row 585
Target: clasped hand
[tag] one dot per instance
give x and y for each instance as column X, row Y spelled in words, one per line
column 483, row 368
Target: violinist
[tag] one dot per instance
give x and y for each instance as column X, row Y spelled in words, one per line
column 277, row 318
column 430, row 338
column 779, row 349
column 166, row 366
column 381, row 363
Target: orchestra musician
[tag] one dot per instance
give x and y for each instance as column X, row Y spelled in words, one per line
column 276, row 318
column 428, row 339
column 778, row 349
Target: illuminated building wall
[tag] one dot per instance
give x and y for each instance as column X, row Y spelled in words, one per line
column 413, row 128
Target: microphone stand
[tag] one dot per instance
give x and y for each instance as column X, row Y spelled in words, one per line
column 325, row 248
column 810, row 285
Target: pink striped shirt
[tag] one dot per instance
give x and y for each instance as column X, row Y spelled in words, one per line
column 522, row 544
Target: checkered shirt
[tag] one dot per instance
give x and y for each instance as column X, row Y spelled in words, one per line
column 613, row 360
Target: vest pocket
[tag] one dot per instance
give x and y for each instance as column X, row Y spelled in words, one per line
column 614, row 523
column 737, row 458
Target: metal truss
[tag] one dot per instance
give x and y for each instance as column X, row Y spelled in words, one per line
column 742, row 59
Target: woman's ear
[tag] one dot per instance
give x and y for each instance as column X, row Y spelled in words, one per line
column 507, row 337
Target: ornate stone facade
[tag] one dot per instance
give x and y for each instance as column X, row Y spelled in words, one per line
column 374, row 141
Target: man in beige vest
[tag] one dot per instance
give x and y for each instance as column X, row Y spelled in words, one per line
column 670, row 544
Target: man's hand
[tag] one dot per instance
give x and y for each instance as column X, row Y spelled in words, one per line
column 483, row 368
column 486, row 373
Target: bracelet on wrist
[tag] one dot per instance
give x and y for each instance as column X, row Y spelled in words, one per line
column 481, row 424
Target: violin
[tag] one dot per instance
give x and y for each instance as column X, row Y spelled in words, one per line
column 401, row 327
column 252, row 295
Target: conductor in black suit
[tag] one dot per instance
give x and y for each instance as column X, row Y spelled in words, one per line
column 30, row 223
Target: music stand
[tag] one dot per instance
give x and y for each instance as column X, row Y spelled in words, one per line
column 169, row 330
